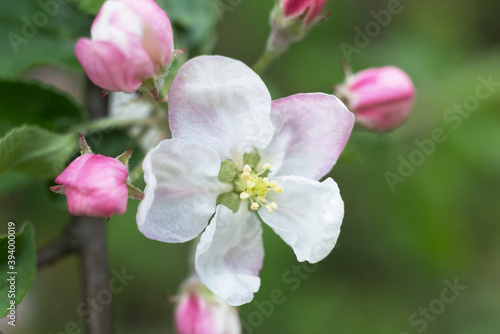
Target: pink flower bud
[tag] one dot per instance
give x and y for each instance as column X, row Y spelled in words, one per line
column 291, row 21
column 309, row 9
column 95, row 185
column 381, row 98
column 199, row 311
column 131, row 42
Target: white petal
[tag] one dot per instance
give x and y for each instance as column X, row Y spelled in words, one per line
column 308, row 216
column 181, row 190
column 229, row 255
column 130, row 106
column 220, row 102
column 311, row 131
column 117, row 23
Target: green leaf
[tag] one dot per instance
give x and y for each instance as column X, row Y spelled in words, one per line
column 35, row 151
column 35, row 103
column 40, row 32
column 89, row 6
column 14, row 181
column 195, row 22
column 23, row 253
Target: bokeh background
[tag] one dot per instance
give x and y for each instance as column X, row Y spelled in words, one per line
column 398, row 246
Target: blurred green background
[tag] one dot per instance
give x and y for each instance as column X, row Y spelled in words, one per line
column 397, row 248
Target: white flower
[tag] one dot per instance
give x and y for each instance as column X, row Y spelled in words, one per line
column 227, row 135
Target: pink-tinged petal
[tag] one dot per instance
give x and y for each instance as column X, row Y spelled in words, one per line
column 131, row 41
column 381, row 98
column 70, row 175
column 158, row 36
column 193, row 316
column 230, row 254
column 181, row 190
column 311, row 130
column 107, row 66
column 95, row 185
column 118, row 24
column 308, row 217
column 385, row 117
column 199, row 311
column 221, row 103
column 295, row 8
column 99, row 202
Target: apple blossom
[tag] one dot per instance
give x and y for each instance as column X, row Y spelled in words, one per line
column 199, row 311
column 237, row 158
column 96, row 185
column 308, row 9
column 131, row 46
column 381, row 98
column 291, row 21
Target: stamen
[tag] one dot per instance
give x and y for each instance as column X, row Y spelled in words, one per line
column 254, row 187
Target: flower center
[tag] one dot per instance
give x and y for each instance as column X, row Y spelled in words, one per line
column 254, row 186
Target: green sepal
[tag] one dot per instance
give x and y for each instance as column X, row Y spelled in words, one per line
column 227, row 171
column 252, row 158
column 58, row 190
column 124, row 157
column 134, row 192
column 151, row 86
column 231, row 200
column 84, row 147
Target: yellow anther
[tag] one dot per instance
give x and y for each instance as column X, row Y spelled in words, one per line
column 254, row 187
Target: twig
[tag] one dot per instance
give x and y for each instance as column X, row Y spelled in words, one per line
column 86, row 236
column 56, row 250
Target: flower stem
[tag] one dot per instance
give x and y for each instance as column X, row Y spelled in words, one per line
column 106, row 123
column 264, row 61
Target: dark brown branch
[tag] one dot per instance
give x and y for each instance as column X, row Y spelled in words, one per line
column 91, row 233
column 86, row 236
